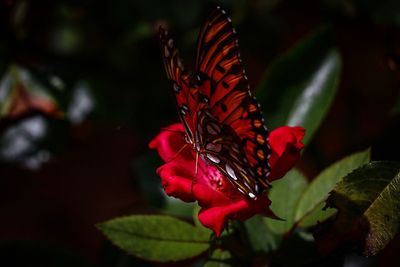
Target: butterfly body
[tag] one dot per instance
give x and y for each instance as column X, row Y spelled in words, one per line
column 222, row 120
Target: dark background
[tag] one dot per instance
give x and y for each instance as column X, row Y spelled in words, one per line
column 67, row 174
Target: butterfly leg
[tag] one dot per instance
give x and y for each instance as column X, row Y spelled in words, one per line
column 177, row 153
column 195, row 171
column 197, row 164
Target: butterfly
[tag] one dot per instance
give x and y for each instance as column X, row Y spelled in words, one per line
column 222, row 120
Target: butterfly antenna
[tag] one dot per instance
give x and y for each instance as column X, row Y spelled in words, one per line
column 177, row 153
column 195, row 172
column 172, row 131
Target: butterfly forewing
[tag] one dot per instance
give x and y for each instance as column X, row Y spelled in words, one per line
column 223, row 83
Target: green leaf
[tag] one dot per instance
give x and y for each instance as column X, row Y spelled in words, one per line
column 319, row 188
column 157, row 238
column 284, row 195
column 195, row 214
column 299, row 87
column 316, row 98
column 319, row 214
column 368, row 203
column 260, row 235
column 178, row 208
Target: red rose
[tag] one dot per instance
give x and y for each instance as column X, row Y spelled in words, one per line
column 218, row 198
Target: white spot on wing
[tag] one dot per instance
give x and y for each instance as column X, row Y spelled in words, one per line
column 213, row 158
column 251, row 195
column 176, row 88
column 230, row 172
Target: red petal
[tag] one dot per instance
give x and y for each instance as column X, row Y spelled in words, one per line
column 169, row 141
column 175, row 185
column 208, row 196
column 285, row 145
column 178, row 179
column 178, row 182
column 216, row 217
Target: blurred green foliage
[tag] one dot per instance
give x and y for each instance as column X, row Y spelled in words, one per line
column 157, row 238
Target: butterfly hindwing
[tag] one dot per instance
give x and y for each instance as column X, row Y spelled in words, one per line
column 222, row 148
column 185, row 94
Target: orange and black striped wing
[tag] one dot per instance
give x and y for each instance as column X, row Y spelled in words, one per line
column 224, row 91
column 185, row 93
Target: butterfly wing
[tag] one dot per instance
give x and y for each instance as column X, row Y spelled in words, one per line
column 224, row 90
column 185, row 94
column 222, row 148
